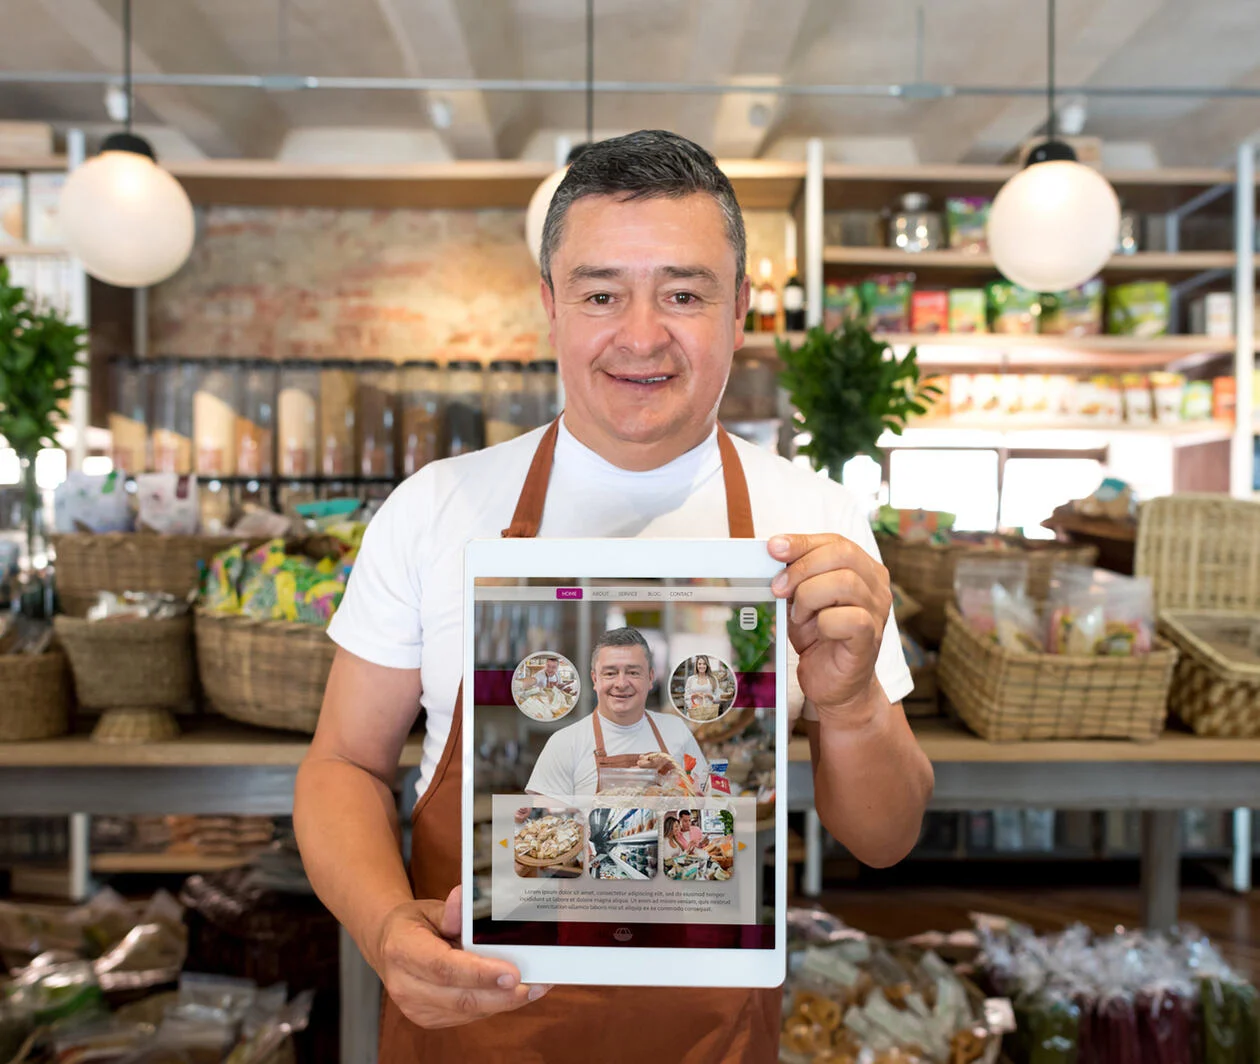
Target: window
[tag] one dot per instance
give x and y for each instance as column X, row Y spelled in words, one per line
column 964, row 483
column 1033, row 487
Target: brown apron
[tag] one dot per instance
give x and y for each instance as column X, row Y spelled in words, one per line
column 603, row 760
column 576, row 1024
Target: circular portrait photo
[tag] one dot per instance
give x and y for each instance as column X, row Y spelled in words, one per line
column 702, row 688
column 545, row 686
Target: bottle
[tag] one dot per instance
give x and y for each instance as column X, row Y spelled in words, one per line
column 767, row 300
column 793, row 301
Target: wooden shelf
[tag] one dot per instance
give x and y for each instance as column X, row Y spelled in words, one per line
column 11, row 250
column 32, row 164
column 1067, row 435
column 203, row 743
column 164, row 863
column 946, row 743
column 759, row 184
column 1142, row 263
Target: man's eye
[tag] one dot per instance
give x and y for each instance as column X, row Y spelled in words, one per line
column 684, row 299
column 600, row 299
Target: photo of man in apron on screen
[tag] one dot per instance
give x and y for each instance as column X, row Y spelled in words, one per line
column 643, row 282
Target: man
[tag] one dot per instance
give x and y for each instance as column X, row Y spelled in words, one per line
column 620, row 731
column 689, row 835
column 549, row 677
column 643, row 282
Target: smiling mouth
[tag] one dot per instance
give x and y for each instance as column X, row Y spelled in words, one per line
column 659, row 378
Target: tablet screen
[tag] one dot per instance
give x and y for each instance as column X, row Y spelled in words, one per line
column 624, row 738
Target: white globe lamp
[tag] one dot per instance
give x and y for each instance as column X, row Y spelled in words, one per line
column 128, row 221
column 536, row 212
column 1054, row 225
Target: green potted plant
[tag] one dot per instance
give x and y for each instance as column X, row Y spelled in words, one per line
column 39, row 351
column 849, row 388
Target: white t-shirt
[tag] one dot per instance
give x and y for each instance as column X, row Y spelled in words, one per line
column 566, row 765
column 404, row 605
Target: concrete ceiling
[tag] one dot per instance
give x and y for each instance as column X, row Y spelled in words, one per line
column 750, row 42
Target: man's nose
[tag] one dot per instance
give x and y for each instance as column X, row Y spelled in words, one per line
column 642, row 330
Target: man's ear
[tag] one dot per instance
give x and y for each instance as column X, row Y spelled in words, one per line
column 742, row 301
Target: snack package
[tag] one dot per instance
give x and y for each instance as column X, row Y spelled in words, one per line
column 968, row 219
column 1196, row 401
column 1167, row 390
column 1141, row 308
column 221, row 579
column 1036, row 396
column 986, row 395
column 929, row 312
column 886, row 302
column 83, row 503
column 1011, row 395
column 975, row 581
column 1139, row 402
column 962, row 399
column 841, row 303
column 1012, row 310
column 1061, row 397
column 1093, row 613
column 168, row 503
column 1224, row 399
column 967, row 311
column 1076, row 312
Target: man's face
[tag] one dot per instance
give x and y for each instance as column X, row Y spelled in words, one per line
column 622, row 679
column 551, row 666
column 684, row 819
column 644, row 319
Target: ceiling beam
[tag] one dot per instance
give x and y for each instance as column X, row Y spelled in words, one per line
column 219, row 123
column 457, row 39
column 1090, row 32
column 1211, row 133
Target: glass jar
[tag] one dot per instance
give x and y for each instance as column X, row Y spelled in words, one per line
column 542, row 387
column 129, row 414
column 256, row 420
column 421, row 405
column 377, row 396
column 297, row 419
column 465, row 418
column 914, row 227
column 338, row 392
column 215, row 406
column 175, row 382
column 505, row 404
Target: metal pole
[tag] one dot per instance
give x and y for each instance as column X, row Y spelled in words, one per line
column 80, row 407
column 813, row 232
column 1241, row 473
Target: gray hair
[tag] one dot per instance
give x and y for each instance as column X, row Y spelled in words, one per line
column 621, row 637
column 643, row 165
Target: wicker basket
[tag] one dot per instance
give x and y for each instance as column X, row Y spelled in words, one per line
column 270, row 673
column 925, row 571
column 1007, row 695
column 89, row 562
column 1216, row 688
column 130, row 663
column 35, row 690
column 1202, row 552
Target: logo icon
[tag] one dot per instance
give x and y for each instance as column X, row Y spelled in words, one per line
column 623, row 934
column 748, row 618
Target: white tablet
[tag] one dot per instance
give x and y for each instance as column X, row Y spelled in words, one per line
column 625, row 706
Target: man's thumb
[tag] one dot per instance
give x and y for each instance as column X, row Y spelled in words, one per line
column 452, row 914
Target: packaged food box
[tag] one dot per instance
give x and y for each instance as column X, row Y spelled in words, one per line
column 1224, row 398
column 986, row 390
column 886, row 302
column 1211, row 314
column 43, row 209
column 1166, row 389
column 962, row 396
column 1013, row 311
column 1061, row 397
column 967, row 311
column 1139, row 402
column 929, row 312
column 841, row 303
column 1011, row 395
column 1036, row 396
column 1099, row 400
column 968, row 219
column 1076, row 312
column 1138, row 309
column 12, row 209
column 1196, row 401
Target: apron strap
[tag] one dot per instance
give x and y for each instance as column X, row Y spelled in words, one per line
column 599, row 735
column 657, row 732
column 529, row 507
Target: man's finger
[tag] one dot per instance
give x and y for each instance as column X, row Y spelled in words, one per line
column 836, row 587
column 436, row 961
column 787, row 548
column 834, row 552
column 464, row 1004
column 849, row 624
column 452, row 915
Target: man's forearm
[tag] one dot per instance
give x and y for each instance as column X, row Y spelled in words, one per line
column 347, row 830
column 872, row 782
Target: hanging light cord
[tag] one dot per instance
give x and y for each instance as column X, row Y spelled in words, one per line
column 127, row 61
column 590, row 71
column 1050, row 121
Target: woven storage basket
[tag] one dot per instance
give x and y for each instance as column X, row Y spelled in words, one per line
column 88, row 562
column 34, row 696
column 270, row 673
column 1202, row 552
column 926, row 572
column 130, row 663
column 1007, row 695
column 1216, row 688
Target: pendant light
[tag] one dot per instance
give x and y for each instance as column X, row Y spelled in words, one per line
column 1055, row 224
column 540, row 201
column 127, row 220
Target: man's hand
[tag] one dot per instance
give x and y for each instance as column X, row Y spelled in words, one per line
column 436, row 984
column 839, row 599
column 658, row 760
